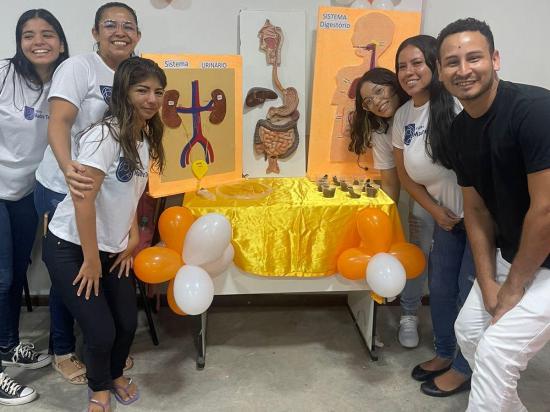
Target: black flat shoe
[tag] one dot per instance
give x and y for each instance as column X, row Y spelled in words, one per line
column 430, row 388
column 420, row 374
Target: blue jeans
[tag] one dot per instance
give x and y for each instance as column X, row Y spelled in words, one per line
column 421, row 227
column 451, row 276
column 62, row 340
column 18, row 223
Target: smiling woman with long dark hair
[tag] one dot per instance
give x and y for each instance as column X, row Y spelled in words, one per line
column 421, row 128
column 79, row 95
column 24, row 83
column 87, row 246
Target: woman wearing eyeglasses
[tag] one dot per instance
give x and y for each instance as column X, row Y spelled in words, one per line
column 80, row 91
column 378, row 96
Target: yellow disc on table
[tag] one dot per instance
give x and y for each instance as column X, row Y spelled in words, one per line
column 199, row 168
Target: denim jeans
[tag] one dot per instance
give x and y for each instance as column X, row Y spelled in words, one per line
column 18, row 222
column 451, row 276
column 62, row 340
column 421, row 227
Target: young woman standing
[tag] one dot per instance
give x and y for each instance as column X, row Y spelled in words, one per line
column 89, row 236
column 24, row 83
column 79, row 95
column 378, row 96
column 421, row 127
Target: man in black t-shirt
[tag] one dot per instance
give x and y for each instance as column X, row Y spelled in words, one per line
column 500, row 151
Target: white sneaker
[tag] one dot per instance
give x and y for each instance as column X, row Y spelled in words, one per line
column 408, row 331
column 12, row 393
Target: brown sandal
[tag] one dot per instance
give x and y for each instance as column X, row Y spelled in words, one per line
column 72, row 370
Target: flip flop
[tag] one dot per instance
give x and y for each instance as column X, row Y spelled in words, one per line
column 105, row 407
column 131, row 399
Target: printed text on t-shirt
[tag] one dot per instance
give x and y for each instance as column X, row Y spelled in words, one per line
column 411, row 131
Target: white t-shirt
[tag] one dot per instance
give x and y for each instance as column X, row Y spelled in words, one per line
column 23, row 134
column 85, row 81
column 409, row 133
column 382, row 149
column 118, row 197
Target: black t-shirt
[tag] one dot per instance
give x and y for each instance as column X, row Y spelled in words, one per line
column 495, row 152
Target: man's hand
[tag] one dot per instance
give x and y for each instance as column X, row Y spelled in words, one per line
column 76, row 181
column 489, row 291
column 445, row 218
column 508, row 296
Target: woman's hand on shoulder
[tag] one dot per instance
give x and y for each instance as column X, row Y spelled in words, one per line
column 88, row 277
column 77, row 182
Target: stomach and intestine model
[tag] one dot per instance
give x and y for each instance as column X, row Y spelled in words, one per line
column 276, row 136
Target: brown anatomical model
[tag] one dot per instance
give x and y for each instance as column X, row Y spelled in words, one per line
column 276, row 137
column 218, row 107
column 169, row 109
column 258, row 95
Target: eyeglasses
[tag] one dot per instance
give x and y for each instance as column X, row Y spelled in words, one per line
column 112, row 25
column 380, row 92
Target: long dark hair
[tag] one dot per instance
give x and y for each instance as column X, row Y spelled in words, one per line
column 442, row 104
column 130, row 72
column 364, row 122
column 22, row 66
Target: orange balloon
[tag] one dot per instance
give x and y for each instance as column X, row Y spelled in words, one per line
column 172, row 301
column 352, row 263
column 411, row 257
column 174, row 223
column 157, row 264
column 376, row 230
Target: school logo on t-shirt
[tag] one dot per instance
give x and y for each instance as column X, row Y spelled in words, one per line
column 28, row 113
column 124, row 172
column 409, row 133
column 106, row 92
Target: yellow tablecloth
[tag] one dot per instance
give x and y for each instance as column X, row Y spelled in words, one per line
column 294, row 231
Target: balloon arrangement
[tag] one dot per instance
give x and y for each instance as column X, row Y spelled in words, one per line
column 195, row 250
column 386, row 265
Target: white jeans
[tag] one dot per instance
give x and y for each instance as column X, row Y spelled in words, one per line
column 497, row 353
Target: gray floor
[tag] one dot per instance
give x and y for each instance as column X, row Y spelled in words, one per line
column 280, row 358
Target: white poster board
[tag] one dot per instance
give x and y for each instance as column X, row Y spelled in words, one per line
column 258, row 73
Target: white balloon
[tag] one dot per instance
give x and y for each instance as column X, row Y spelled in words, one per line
column 220, row 265
column 206, row 239
column 386, row 275
column 193, row 290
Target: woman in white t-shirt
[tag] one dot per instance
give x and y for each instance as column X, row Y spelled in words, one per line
column 420, row 129
column 377, row 98
column 89, row 243
column 80, row 92
column 24, row 83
